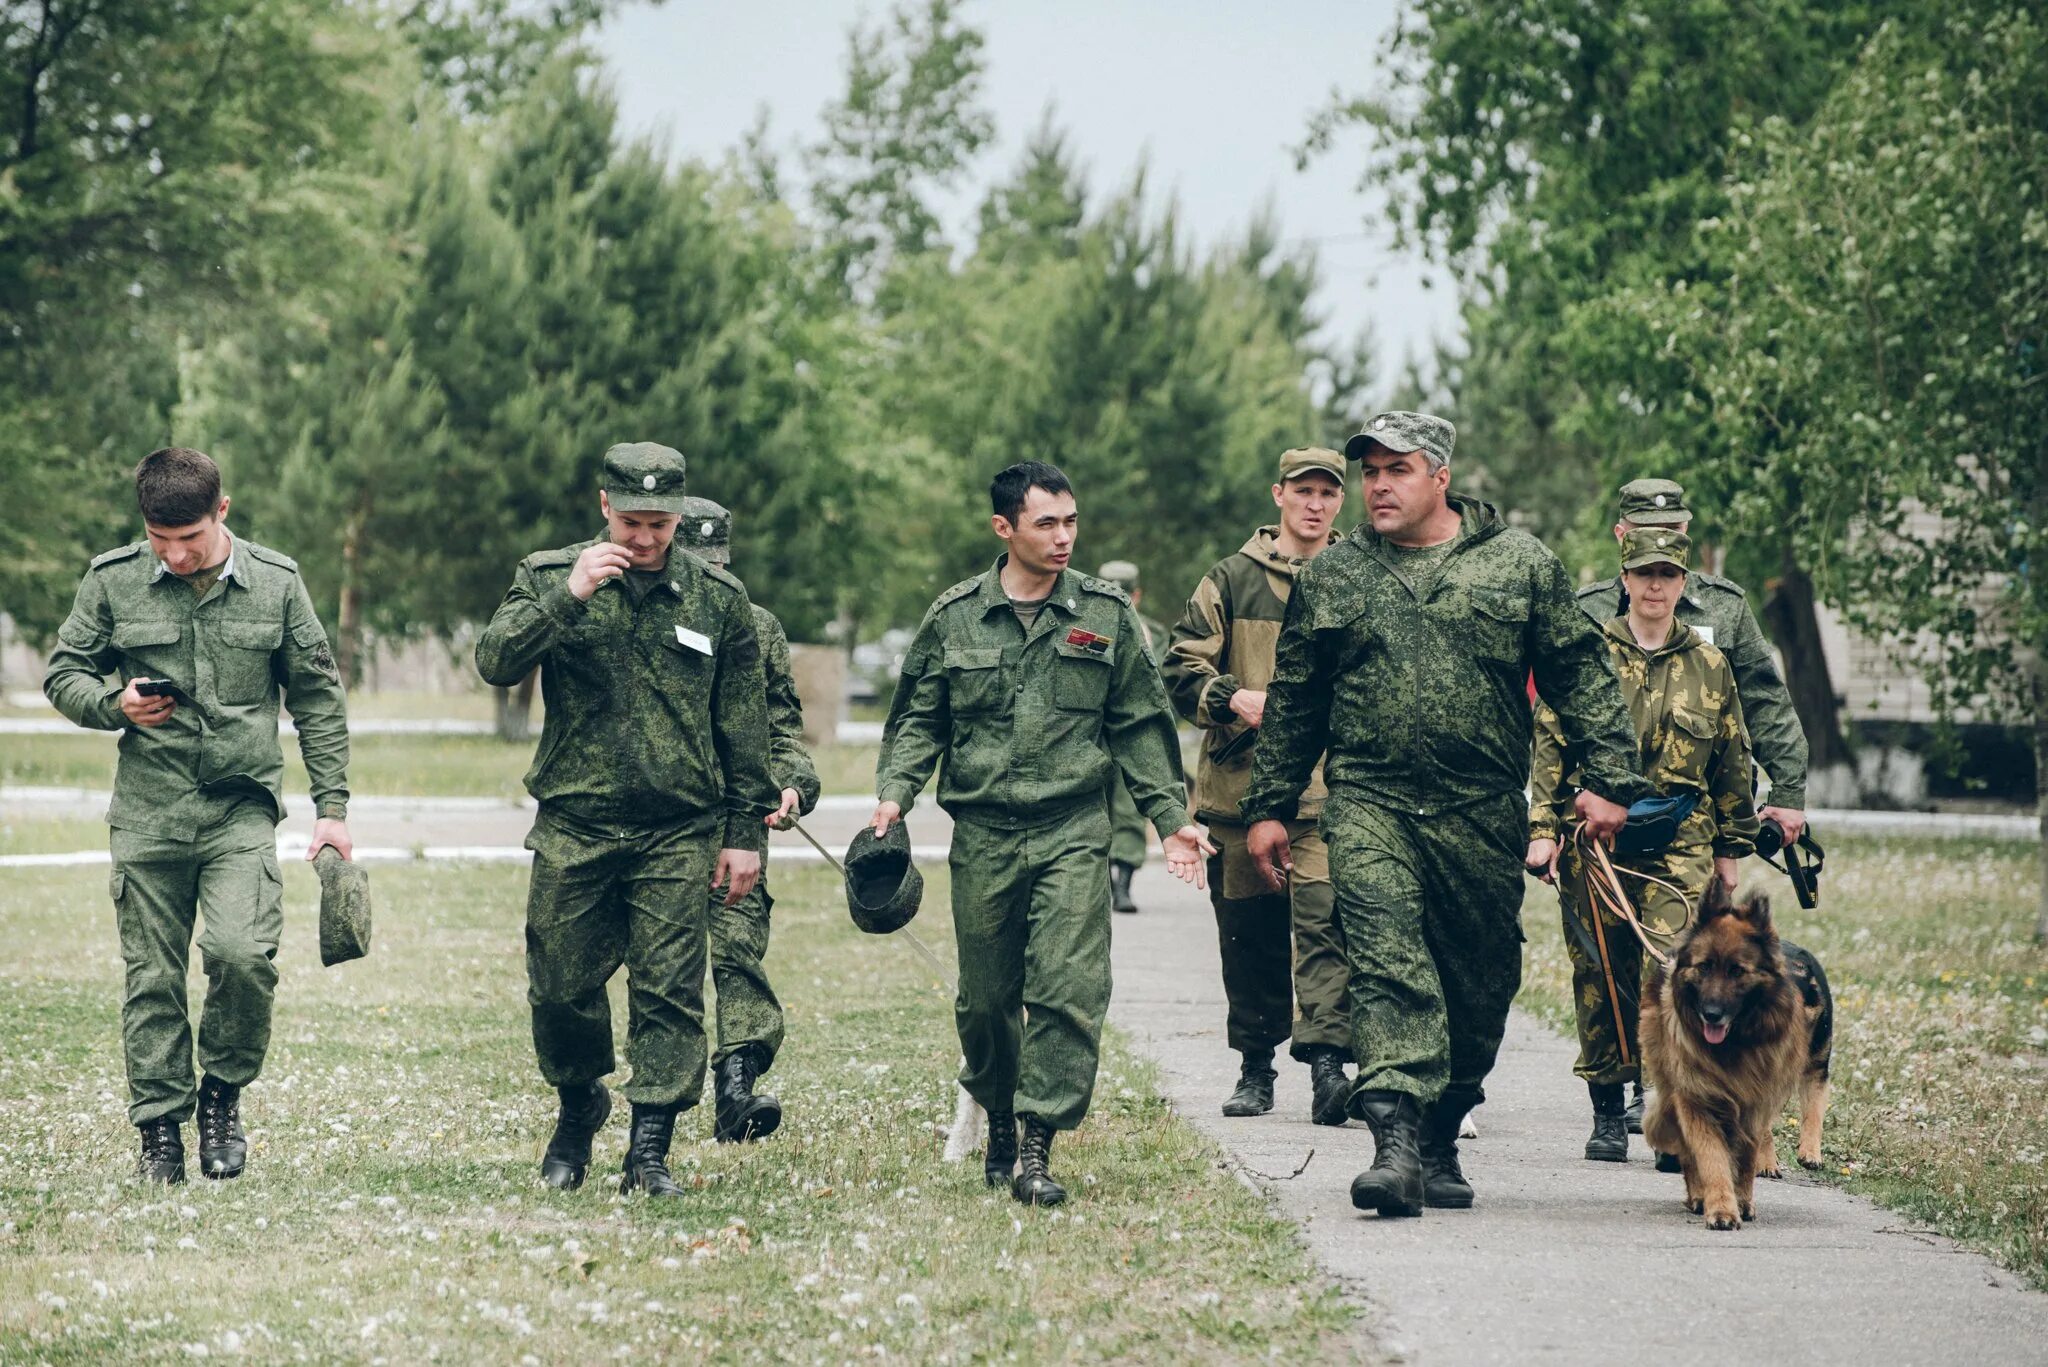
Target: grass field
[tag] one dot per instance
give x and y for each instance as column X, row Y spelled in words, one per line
column 391, row 1213
column 1941, row 1056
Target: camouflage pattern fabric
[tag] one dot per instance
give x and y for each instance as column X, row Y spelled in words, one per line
column 1126, row 824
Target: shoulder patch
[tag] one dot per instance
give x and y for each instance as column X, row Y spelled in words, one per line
column 1701, row 579
column 1106, row 589
column 547, row 560
column 267, row 555
column 118, row 554
column 957, row 592
column 723, row 576
column 1604, row 586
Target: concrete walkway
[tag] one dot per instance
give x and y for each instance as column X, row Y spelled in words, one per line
column 1563, row 1260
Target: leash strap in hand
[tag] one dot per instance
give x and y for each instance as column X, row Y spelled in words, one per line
column 1609, row 894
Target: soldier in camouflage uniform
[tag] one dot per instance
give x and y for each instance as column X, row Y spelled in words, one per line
column 1404, row 655
column 1032, row 684
column 749, row 1015
column 197, row 789
column 1689, row 733
column 653, row 786
column 1126, row 823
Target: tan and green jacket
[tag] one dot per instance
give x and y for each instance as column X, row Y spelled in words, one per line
column 1225, row 641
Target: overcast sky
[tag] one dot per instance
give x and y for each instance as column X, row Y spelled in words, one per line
column 1213, row 94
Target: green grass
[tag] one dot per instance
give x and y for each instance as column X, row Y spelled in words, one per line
column 391, row 1211
column 1940, row 1103
column 50, row 835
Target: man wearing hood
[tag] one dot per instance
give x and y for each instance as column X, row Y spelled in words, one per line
column 1278, row 948
column 1405, row 655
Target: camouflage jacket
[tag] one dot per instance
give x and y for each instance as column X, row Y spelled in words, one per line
column 655, row 714
column 251, row 642
column 1420, row 697
column 789, row 760
column 1689, row 735
column 1030, row 726
column 1719, row 611
column 1223, row 642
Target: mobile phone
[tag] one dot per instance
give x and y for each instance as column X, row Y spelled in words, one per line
column 162, row 688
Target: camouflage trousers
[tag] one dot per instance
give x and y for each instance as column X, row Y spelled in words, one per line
column 1430, row 908
column 1608, row 1051
column 602, row 898
column 1127, row 826
column 225, row 880
column 749, row 1014
column 1284, row 968
column 1031, row 922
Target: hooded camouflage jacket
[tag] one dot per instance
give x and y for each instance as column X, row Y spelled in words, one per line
column 1420, row 695
column 1224, row 642
column 1689, row 735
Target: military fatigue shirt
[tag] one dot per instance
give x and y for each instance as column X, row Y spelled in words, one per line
column 1689, row 735
column 789, row 760
column 656, row 713
column 1031, row 725
column 1420, row 697
column 1719, row 610
column 251, row 641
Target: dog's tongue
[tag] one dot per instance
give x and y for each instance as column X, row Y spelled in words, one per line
column 1716, row 1032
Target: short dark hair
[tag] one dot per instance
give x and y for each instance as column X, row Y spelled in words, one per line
column 1008, row 490
column 177, row 486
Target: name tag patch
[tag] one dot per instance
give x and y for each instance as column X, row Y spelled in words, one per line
column 695, row 640
column 1706, row 634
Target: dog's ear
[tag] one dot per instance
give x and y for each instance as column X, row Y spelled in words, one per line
column 1716, row 902
column 1756, row 908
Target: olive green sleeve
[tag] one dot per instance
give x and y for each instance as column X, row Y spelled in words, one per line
column 789, row 760
column 1138, row 728
column 75, row 679
column 739, row 731
column 1547, row 805
column 1729, row 786
column 525, row 627
column 1200, row 644
column 1295, row 730
column 1575, row 674
column 1775, row 733
column 319, row 704
column 920, row 721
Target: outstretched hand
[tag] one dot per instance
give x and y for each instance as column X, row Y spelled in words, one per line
column 1186, row 849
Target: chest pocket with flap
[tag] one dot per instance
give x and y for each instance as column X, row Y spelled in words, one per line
column 974, row 678
column 242, row 664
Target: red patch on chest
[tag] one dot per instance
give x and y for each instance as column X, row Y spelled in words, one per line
column 1088, row 640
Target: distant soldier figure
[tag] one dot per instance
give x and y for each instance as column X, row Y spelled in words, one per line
column 749, row 1015
column 1405, row 655
column 1032, row 684
column 208, row 633
column 1126, row 823
column 1277, row 948
column 652, row 780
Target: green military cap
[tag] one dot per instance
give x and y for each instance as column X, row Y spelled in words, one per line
column 1304, row 460
column 706, row 530
column 1121, row 573
column 344, row 907
column 643, row 477
column 1644, row 546
column 1654, row 503
column 1404, row 432
column 883, row 888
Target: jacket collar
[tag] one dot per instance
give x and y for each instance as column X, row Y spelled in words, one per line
column 232, row 569
column 1263, row 550
column 1066, row 590
column 1682, row 637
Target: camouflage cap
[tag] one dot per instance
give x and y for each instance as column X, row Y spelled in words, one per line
column 1644, row 546
column 1121, row 573
column 643, row 477
column 1308, row 460
column 344, row 907
column 1403, row 432
column 1654, row 503
column 706, row 530
column 883, row 888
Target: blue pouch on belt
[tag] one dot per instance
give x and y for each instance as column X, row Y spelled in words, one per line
column 1653, row 822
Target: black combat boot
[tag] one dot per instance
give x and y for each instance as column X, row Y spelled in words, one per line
column 647, row 1152
column 1330, row 1090
column 583, row 1113
column 223, row 1148
column 741, row 1115
column 1033, row 1185
column 1393, row 1184
column 163, row 1152
column 1254, row 1094
column 999, row 1157
column 1609, row 1142
column 1634, row 1113
column 1120, row 875
column 1443, row 1182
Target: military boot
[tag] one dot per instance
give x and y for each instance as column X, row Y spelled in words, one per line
column 1393, row 1184
column 1254, row 1094
column 583, row 1113
column 1634, row 1113
column 1609, row 1141
column 163, row 1152
column 999, row 1158
column 741, row 1115
column 647, row 1152
column 1330, row 1089
column 1033, row 1185
column 223, row 1147
column 1443, row 1181
column 1120, row 875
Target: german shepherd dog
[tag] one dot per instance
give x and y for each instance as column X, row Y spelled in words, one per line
column 1731, row 1028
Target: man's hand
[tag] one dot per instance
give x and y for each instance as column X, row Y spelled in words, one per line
column 780, row 818
column 1250, row 705
column 737, row 872
column 1791, row 818
column 1185, row 850
column 1603, row 818
column 1541, row 859
column 1726, row 869
column 141, row 711
column 1266, row 842
column 886, row 815
column 331, row 831
column 597, row 564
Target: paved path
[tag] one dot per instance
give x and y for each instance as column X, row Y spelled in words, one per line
column 1564, row 1260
